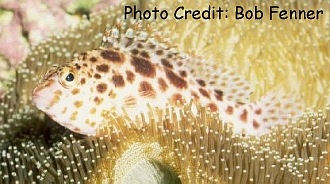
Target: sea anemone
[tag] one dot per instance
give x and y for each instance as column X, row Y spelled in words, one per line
column 197, row 148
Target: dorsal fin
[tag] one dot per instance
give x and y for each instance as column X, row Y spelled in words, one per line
column 233, row 86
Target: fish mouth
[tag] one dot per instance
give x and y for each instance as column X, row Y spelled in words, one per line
column 40, row 93
column 40, row 101
column 35, row 95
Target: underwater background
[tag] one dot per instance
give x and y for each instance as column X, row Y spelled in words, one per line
column 293, row 55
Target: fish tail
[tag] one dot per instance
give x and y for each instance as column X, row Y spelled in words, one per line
column 259, row 117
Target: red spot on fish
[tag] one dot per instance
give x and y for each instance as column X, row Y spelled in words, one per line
column 243, row 116
column 143, row 66
column 258, row 111
column 230, row 110
column 213, row 107
column 256, row 125
column 176, row 80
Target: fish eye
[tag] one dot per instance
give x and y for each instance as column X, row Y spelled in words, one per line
column 68, row 77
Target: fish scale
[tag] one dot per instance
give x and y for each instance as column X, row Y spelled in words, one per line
column 128, row 73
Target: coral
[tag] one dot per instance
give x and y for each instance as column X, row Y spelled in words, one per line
column 25, row 27
column 195, row 149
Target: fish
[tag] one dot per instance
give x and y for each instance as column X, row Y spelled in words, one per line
column 131, row 71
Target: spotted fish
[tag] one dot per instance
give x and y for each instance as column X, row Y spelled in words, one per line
column 131, row 71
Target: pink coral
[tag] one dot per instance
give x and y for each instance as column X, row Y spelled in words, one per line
column 32, row 21
column 14, row 46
